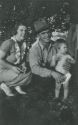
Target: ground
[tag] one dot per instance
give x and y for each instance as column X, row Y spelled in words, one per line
column 36, row 108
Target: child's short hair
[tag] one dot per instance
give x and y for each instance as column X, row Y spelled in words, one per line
column 59, row 42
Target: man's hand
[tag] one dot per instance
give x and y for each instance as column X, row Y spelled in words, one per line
column 57, row 76
column 67, row 65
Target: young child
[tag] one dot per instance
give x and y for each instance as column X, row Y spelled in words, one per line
column 60, row 59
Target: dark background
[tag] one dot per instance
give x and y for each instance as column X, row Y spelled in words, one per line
column 30, row 10
column 27, row 11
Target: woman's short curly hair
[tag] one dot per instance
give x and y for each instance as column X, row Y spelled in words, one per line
column 14, row 32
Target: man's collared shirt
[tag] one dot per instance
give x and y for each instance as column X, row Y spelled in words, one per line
column 39, row 57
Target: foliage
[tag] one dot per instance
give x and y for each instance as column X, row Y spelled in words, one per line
column 56, row 12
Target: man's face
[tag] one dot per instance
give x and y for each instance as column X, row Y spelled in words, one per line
column 45, row 36
column 21, row 32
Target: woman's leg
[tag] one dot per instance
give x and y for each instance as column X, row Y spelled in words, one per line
column 6, row 89
column 11, row 79
column 6, row 75
column 21, row 79
column 18, row 88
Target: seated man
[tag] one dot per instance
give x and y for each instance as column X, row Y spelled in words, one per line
column 40, row 59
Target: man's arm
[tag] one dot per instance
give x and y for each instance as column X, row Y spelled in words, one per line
column 35, row 66
column 38, row 70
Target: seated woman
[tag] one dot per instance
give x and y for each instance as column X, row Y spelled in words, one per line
column 12, row 62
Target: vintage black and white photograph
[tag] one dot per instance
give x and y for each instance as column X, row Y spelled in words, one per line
column 38, row 62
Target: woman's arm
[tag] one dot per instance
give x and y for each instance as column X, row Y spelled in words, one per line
column 5, row 64
column 5, row 47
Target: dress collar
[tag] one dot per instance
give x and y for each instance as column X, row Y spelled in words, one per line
column 14, row 38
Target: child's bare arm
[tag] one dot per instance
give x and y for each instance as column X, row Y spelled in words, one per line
column 71, row 60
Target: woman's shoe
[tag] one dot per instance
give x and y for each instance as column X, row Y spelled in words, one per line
column 6, row 89
column 19, row 90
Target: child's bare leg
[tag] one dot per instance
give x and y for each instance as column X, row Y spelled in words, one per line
column 66, row 85
column 57, row 90
column 66, row 90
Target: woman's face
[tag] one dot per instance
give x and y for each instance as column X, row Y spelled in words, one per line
column 21, row 32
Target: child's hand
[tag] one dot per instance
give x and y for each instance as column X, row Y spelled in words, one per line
column 71, row 61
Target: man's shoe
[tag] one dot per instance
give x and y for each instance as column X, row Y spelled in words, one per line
column 6, row 89
column 19, row 90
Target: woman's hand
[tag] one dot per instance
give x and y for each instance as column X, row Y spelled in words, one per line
column 24, row 68
column 16, row 69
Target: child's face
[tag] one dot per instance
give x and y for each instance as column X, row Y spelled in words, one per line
column 63, row 48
